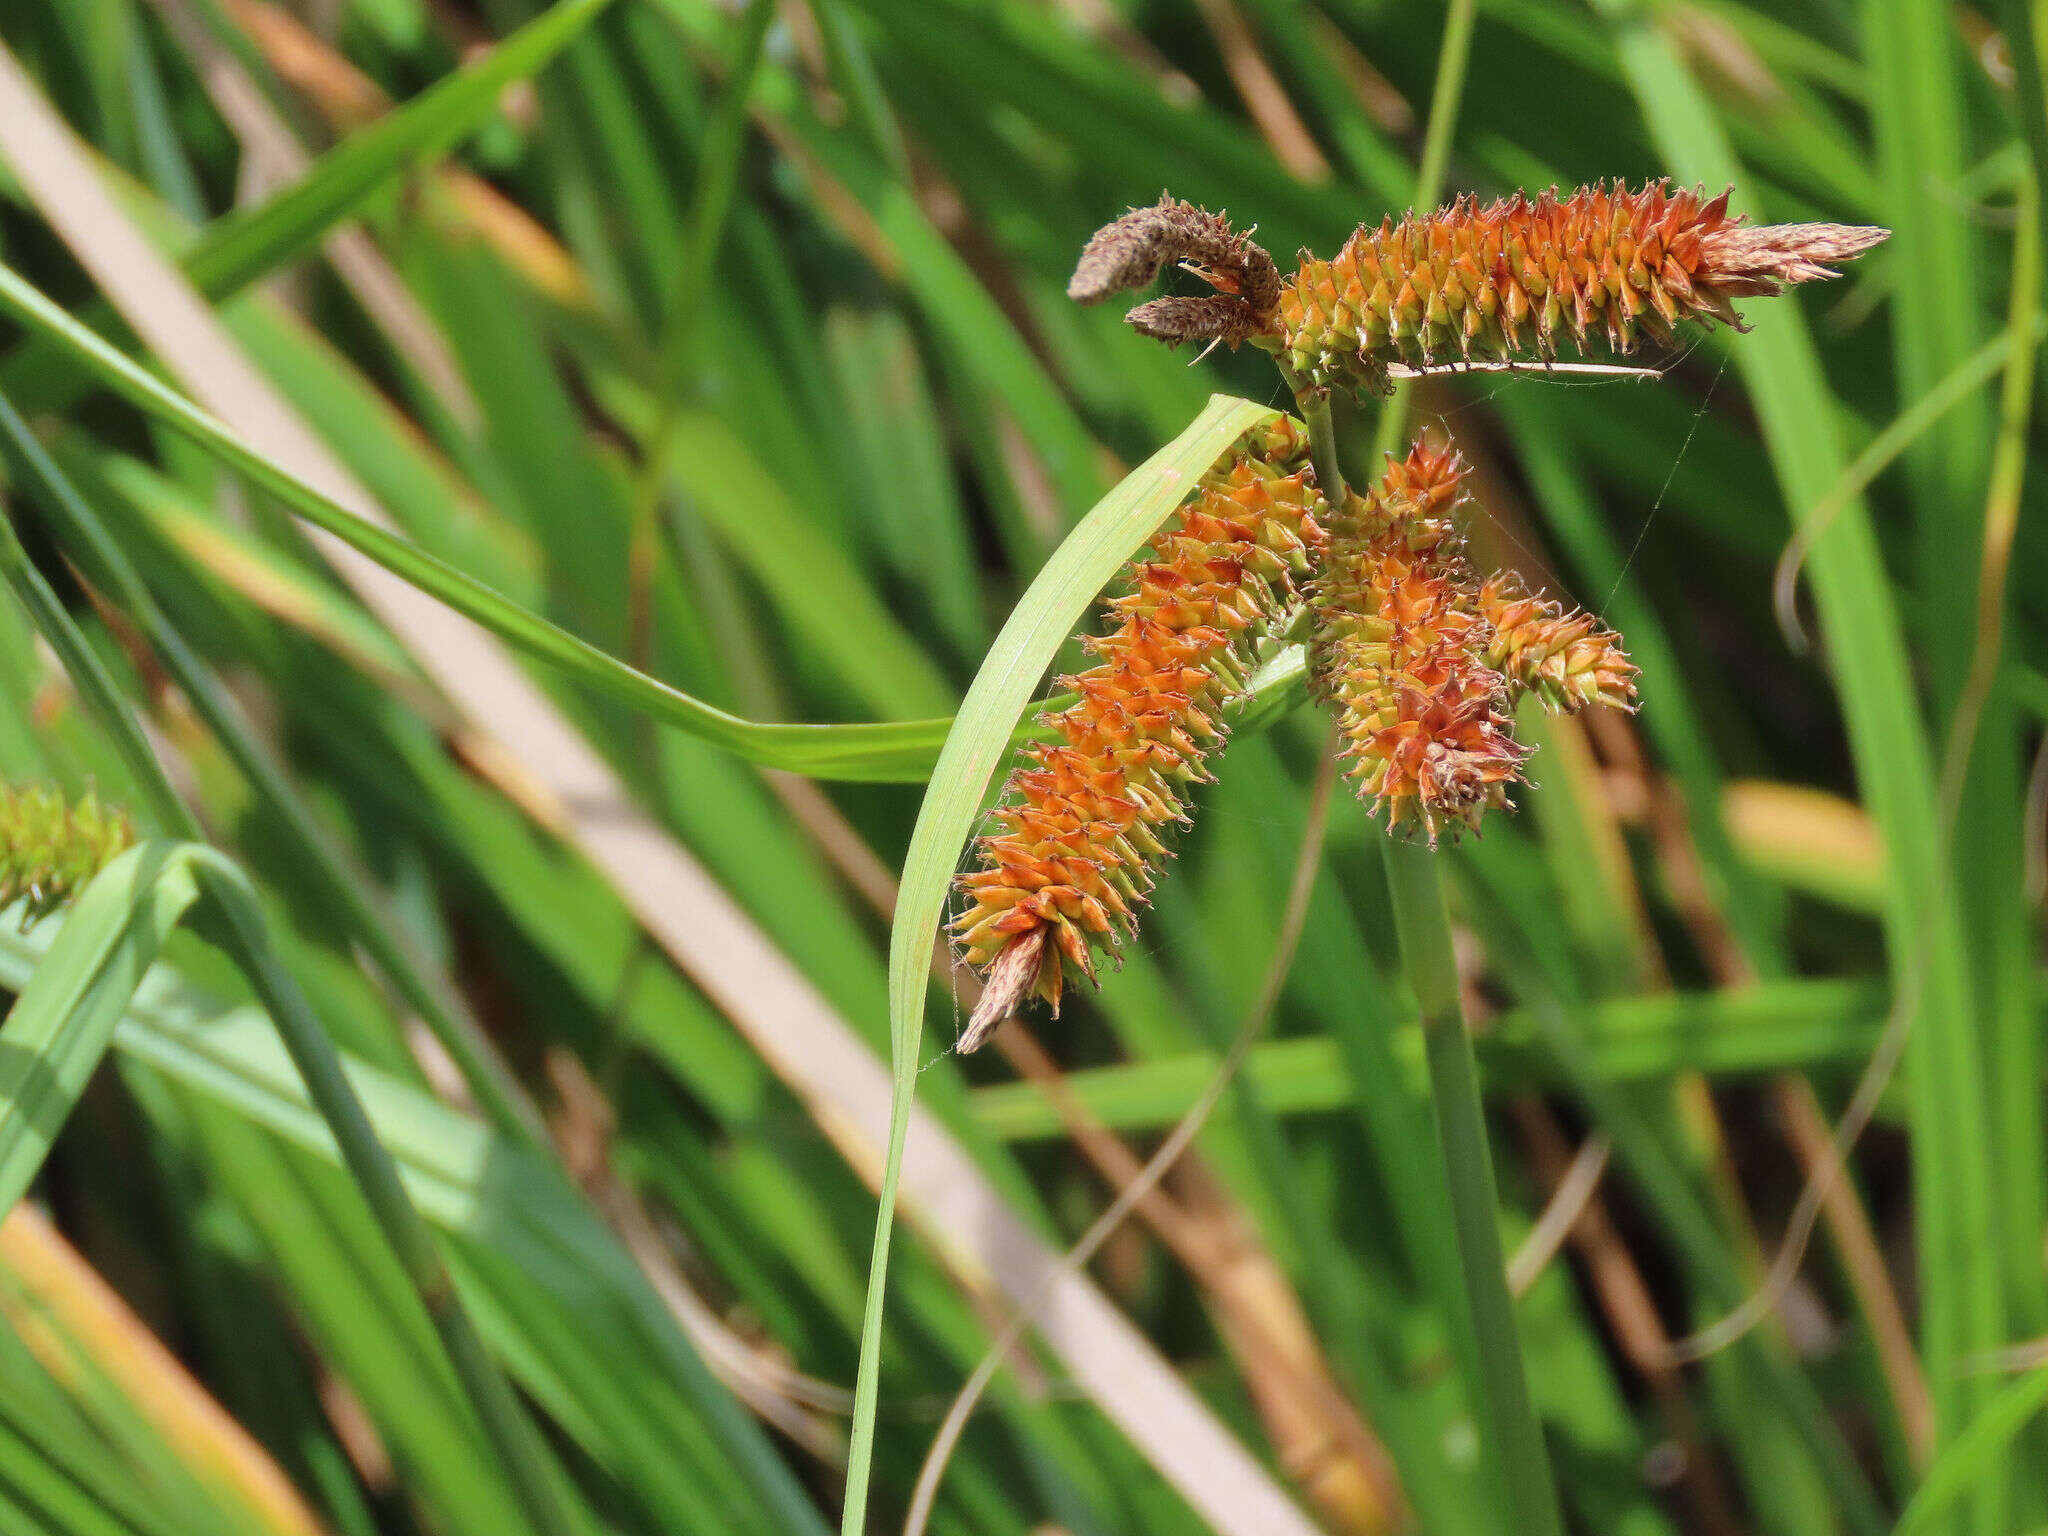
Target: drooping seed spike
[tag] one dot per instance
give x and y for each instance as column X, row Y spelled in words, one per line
column 1081, row 819
column 1399, row 651
column 1212, row 317
column 1510, row 280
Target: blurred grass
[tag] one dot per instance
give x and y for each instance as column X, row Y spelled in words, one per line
column 875, row 425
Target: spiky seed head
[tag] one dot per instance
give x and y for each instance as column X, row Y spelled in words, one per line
column 1083, row 821
column 1399, row 652
column 1567, row 659
column 51, row 846
column 1517, row 279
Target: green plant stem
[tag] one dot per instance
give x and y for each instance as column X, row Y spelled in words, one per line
column 1453, row 54
column 1506, row 1412
column 1312, row 402
column 1425, row 934
column 376, row 1175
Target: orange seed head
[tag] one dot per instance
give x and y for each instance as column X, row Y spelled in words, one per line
column 1399, row 651
column 1082, row 821
column 1515, row 278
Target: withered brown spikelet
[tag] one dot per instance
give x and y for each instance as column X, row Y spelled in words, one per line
column 1082, row 819
column 1399, row 651
column 1515, row 278
column 1568, row 660
column 1129, row 252
column 51, row 847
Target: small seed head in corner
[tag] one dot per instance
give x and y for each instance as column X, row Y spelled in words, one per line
column 50, row 847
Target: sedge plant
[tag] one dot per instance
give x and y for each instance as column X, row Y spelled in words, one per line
column 1321, row 605
column 1420, row 658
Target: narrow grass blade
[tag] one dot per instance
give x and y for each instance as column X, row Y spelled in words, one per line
column 1976, row 1452
column 64, row 1020
column 881, row 750
column 1916, row 63
column 1961, row 1303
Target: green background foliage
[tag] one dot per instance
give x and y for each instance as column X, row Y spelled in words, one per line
column 715, row 362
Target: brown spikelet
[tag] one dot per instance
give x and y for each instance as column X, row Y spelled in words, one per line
column 1128, row 254
column 51, row 847
column 1399, row 651
column 1216, row 317
column 1082, row 819
column 1742, row 259
column 1568, row 660
column 1517, row 278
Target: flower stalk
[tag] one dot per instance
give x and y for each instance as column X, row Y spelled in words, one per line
column 1423, row 927
column 1507, row 1416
